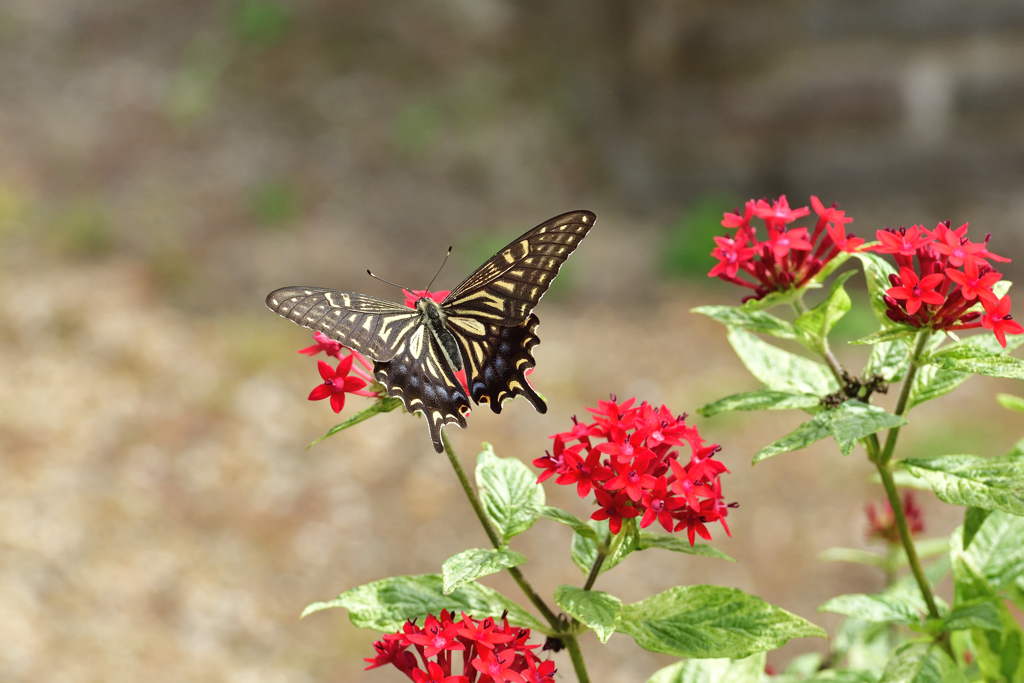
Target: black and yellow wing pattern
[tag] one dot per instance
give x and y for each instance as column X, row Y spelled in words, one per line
column 486, row 326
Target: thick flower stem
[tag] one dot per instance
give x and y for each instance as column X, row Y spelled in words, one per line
column 573, row 646
column 470, row 492
column 901, row 403
column 881, row 460
column 906, row 540
column 556, row 624
column 595, row 569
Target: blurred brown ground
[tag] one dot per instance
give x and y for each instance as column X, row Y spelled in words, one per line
column 164, row 164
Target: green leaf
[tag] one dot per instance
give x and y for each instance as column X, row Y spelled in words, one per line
column 904, row 480
column 509, row 491
column 1000, row 653
column 881, row 608
column 977, row 346
column 762, row 399
column 562, row 517
column 584, row 550
column 854, row 420
column 650, row 539
column 848, row 423
column 598, row 611
column 781, row 370
column 900, row 333
column 753, row 321
column 814, row 325
column 978, row 614
column 842, row 676
column 900, row 603
column 922, row 663
column 1011, row 402
column 804, row 666
column 381, row 405
column 988, row 483
column 747, row 670
column 711, row 622
column 888, row 359
column 815, row 429
column 1018, row 448
column 925, row 548
column 829, row 268
column 973, row 519
column 470, row 565
column 995, row 556
column 387, row 604
column 853, row 555
column 990, row 366
column 929, row 547
column 864, row 645
column 931, row 382
column 980, row 354
column 773, row 299
column 876, row 273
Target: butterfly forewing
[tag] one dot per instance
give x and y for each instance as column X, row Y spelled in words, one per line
column 371, row 326
column 505, row 289
column 421, row 376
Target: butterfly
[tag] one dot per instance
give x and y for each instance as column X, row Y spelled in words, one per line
column 485, row 326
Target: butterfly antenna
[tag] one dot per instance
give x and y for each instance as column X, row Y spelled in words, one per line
column 441, row 268
column 389, row 282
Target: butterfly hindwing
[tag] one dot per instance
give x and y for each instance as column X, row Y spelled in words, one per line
column 422, row 377
column 505, row 289
column 371, row 326
column 497, row 360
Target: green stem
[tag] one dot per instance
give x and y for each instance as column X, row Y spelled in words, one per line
column 901, row 402
column 573, row 646
column 881, row 458
column 595, row 569
column 906, row 540
column 557, row 624
column 826, row 353
column 470, row 492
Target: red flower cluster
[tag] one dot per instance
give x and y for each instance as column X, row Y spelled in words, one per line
column 788, row 257
column 937, row 294
column 627, row 457
column 491, row 652
column 882, row 523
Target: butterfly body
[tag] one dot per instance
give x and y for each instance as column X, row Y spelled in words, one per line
column 485, row 326
column 433, row 317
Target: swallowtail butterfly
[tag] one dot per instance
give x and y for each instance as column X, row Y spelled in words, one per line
column 485, row 325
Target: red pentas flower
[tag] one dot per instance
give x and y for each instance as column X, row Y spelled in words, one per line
column 932, row 291
column 490, row 652
column 788, row 257
column 633, row 457
column 997, row 318
column 882, row 521
column 323, row 343
column 337, row 383
column 412, row 296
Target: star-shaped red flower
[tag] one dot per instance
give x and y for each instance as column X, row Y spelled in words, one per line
column 997, row 318
column 336, row 383
column 917, row 291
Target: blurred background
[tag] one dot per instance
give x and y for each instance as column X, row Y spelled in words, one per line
column 166, row 163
